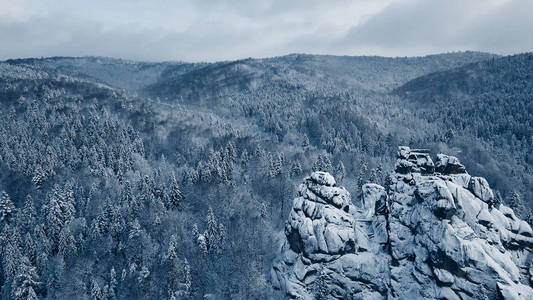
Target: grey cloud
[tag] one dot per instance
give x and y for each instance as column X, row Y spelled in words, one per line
column 219, row 30
column 506, row 29
column 448, row 25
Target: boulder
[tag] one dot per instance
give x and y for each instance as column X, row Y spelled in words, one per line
column 480, row 188
column 414, row 160
column 323, row 178
column 449, row 165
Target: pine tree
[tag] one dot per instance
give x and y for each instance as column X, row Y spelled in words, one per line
column 96, row 292
column 244, row 158
column 276, row 165
column 204, row 172
column 27, row 215
column 296, row 168
column 102, row 223
column 373, row 176
column 322, row 163
column 67, row 243
column 126, row 194
column 231, row 153
column 172, row 253
column 195, row 231
column 30, row 248
column 123, row 275
column 89, row 200
column 215, row 233
column 340, row 171
column 174, row 197
column 112, row 290
column 117, row 222
column 173, row 270
column 517, row 204
column 144, row 273
column 379, row 174
column 305, row 142
column 7, row 209
column 56, row 277
column 202, row 244
column 54, row 218
column 39, row 177
column 188, row 278
column 59, row 211
column 388, row 182
column 42, row 248
column 133, row 203
column 4, row 236
column 26, row 281
column 326, row 162
column 11, row 257
column 259, row 152
column 16, row 238
column 135, row 229
column 68, row 203
column 190, row 176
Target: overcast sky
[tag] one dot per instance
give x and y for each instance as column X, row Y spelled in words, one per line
column 209, row 30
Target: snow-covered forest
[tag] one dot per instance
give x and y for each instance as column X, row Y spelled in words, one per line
column 132, row 180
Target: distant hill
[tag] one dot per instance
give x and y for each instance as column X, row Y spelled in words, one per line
column 507, row 75
column 126, row 74
column 171, row 79
column 309, row 71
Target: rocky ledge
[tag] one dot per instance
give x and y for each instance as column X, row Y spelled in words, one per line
column 435, row 232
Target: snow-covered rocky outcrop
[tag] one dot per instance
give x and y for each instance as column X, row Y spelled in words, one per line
column 327, row 251
column 435, row 232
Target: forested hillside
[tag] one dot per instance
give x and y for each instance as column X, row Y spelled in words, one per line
column 129, row 180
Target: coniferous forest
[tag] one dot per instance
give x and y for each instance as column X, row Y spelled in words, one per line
column 134, row 180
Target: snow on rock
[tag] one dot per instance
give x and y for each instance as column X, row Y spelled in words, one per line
column 449, row 165
column 374, row 199
column 480, row 188
column 416, row 160
column 447, row 241
column 323, row 178
column 434, row 233
column 325, row 250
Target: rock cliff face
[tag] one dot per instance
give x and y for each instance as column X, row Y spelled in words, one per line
column 435, row 232
column 327, row 252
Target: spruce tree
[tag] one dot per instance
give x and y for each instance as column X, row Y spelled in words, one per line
column 26, row 281
column 517, row 204
column 26, row 216
column 340, row 171
column 54, row 219
column 112, row 290
column 7, row 209
column 96, row 292
column 296, row 168
column 174, row 196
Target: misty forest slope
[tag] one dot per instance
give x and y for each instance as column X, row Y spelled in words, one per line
column 113, row 169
